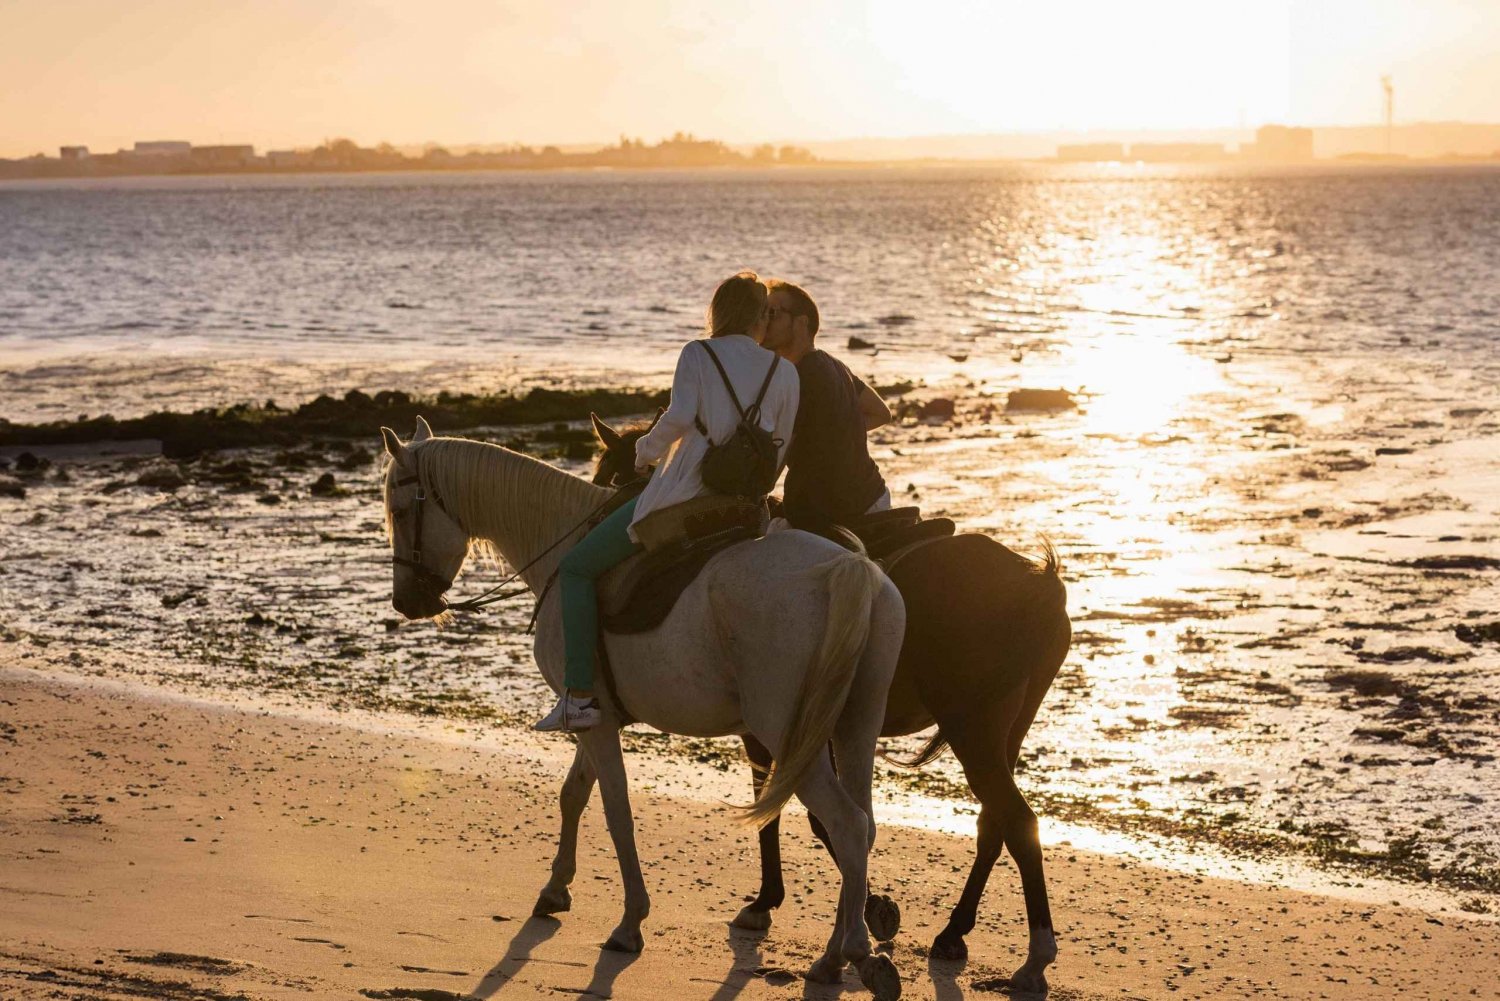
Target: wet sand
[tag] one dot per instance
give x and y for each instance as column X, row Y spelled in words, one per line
column 161, row 846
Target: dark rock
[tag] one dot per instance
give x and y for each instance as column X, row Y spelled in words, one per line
column 26, row 462
column 860, row 344
column 167, row 478
column 1368, row 683
column 941, row 408
column 327, row 486
column 1485, row 632
column 1040, row 399
column 1454, row 563
column 10, row 488
column 1400, row 654
column 173, row 600
column 268, row 498
column 1392, row 450
column 357, row 399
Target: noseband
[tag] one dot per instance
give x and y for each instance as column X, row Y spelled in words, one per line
column 425, row 577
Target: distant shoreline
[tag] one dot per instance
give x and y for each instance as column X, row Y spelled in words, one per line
column 1238, row 166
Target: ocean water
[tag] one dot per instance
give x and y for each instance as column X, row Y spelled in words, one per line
column 1277, row 498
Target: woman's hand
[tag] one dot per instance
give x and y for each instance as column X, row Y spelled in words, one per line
column 642, row 469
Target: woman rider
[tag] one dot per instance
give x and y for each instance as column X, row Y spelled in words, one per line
column 736, row 325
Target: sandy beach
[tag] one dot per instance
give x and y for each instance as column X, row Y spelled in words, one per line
column 157, row 845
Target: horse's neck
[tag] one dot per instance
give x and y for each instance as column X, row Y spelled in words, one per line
column 517, row 504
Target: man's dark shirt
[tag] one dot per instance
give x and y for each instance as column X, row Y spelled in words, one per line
column 830, row 475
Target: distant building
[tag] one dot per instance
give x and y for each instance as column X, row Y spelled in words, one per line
column 162, row 148
column 73, row 153
column 285, row 158
column 1176, row 152
column 223, row 156
column 1092, row 152
column 1281, row 143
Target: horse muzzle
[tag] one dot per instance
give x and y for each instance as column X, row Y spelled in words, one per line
column 420, row 605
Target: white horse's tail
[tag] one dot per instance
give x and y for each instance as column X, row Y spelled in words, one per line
column 853, row 583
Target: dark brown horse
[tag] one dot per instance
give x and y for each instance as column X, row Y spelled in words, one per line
column 986, row 632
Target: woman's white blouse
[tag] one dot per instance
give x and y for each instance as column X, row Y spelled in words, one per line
column 697, row 390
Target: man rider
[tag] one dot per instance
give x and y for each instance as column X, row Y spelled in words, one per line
column 830, row 476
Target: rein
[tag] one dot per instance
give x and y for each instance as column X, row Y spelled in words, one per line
column 488, row 597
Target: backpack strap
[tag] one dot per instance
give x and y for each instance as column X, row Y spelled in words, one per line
column 754, row 410
column 752, row 414
column 697, row 420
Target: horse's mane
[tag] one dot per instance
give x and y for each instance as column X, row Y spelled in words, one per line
column 486, row 486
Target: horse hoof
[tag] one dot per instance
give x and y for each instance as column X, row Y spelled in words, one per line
column 622, row 940
column 751, row 919
column 827, row 970
column 552, row 902
column 883, row 916
column 1026, row 981
column 950, row 948
column 879, row 974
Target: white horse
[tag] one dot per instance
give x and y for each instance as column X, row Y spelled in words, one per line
column 789, row 638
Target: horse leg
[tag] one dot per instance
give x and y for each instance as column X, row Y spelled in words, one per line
column 602, row 744
column 987, row 752
column 756, row 915
column 848, row 828
column 574, row 798
column 882, row 913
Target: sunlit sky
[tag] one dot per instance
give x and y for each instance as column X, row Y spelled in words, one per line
column 281, row 73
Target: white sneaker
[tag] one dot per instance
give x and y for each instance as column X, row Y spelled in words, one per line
column 570, row 714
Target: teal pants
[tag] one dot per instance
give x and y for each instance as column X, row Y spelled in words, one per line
column 607, row 546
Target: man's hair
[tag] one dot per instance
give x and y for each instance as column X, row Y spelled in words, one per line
column 737, row 304
column 802, row 303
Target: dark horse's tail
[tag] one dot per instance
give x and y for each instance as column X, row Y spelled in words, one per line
column 1027, row 609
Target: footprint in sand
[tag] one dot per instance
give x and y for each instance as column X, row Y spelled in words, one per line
column 428, row 969
column 186, row 961
column 319, row 941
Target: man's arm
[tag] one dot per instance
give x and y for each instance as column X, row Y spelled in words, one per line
column 872, row 407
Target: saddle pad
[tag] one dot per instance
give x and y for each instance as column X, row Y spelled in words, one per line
column 637, row 596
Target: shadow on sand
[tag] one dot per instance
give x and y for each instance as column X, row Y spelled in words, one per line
column 748, row 964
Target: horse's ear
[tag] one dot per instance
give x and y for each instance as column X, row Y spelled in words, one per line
column 424, row 430
column 660, row 413
column 607, row 435
column 393, row 446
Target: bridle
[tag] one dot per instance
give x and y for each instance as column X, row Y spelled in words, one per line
column 437, row 584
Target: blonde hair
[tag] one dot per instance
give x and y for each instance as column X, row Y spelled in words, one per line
column 738, row 303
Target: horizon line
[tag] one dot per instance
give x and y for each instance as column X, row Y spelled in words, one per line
column 929, row 136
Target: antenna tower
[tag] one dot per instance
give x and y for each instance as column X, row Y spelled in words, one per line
column 1390, row 108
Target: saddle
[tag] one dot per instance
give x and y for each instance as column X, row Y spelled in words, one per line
column 883, row 535
column 638, row 594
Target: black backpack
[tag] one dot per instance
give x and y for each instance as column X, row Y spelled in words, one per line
column 744, row 464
